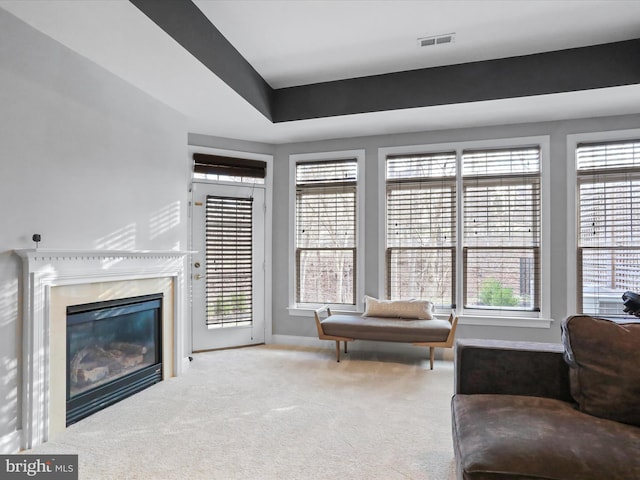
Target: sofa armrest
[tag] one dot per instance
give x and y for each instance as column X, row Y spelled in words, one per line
column 511, row 368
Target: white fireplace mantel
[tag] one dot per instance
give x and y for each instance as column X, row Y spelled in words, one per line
column 44, row 269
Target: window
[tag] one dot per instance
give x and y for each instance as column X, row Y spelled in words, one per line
column 463, row 225
column 326, row 232
column 228, row 169
column 420, row 255
column 229, row 247
column 501, row 243
column 608, row 175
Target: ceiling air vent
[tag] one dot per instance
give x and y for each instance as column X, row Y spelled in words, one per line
column 436, row 40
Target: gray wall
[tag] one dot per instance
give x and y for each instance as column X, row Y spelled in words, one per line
column 87, row 161
column 231, row 144
column 286, row 324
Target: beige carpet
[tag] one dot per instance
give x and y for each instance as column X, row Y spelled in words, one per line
column 272, row 412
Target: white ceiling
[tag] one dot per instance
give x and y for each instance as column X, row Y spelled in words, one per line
column 306, row 41
column 300, row 42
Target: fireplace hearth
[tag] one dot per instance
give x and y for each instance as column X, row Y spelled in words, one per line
column 114, row 349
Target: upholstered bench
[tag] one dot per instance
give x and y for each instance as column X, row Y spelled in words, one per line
column 420, row 332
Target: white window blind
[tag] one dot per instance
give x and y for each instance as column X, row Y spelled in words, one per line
column 229, row 250
column 326, row 232
column 420, row 250
column 608, row 237
column 501, row 218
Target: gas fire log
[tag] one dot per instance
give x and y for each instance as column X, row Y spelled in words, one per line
column 93, row 375
column 129, row 361
column 75, row 364
column 128, row 348
column 93, row 363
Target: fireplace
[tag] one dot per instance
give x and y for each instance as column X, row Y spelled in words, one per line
column 114, row 349
column 57, row 279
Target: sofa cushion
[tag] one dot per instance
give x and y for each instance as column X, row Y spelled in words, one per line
column 412, row 309
column 511, row 368
column 518, row 437
column 386, row 329
column 604, row 361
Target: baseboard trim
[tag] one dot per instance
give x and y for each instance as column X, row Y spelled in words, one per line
column 10, row 443
column 362, row 346
column 299, row 341
column 186, row 364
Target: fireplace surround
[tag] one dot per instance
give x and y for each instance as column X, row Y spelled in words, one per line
column 54, row 280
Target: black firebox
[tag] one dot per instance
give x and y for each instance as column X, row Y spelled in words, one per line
column 114, row 349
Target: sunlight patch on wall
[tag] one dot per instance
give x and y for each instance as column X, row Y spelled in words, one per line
column 9, row 302
column 122, row 239
column 9, row 375
column 163, row 220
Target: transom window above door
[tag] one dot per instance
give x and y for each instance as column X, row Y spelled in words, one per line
column 228, row 169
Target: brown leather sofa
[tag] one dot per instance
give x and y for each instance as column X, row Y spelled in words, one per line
column 566, row 411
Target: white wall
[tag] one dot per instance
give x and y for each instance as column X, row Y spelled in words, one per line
column 88, row 162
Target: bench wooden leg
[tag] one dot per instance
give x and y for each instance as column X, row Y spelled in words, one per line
column 345, row 346
column 432, row 355
column 338, row 350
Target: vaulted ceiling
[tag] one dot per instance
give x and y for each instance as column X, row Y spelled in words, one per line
column 282, row 71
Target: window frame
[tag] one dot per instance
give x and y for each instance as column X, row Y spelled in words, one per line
column 531, row 319
column 267, row 186
column 495, row 181
column 443, row 182
column 305, row 309
column 573, row 141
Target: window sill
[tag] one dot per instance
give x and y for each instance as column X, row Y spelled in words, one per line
column 499, row 321
column 477, row 320
column 308, row 311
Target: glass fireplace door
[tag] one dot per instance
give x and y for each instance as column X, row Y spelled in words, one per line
column 114, row 349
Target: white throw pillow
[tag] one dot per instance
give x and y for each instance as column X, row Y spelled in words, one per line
column 410, row 309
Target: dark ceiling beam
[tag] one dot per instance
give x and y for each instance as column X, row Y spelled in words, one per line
column 586, row 68
column 188, row 26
